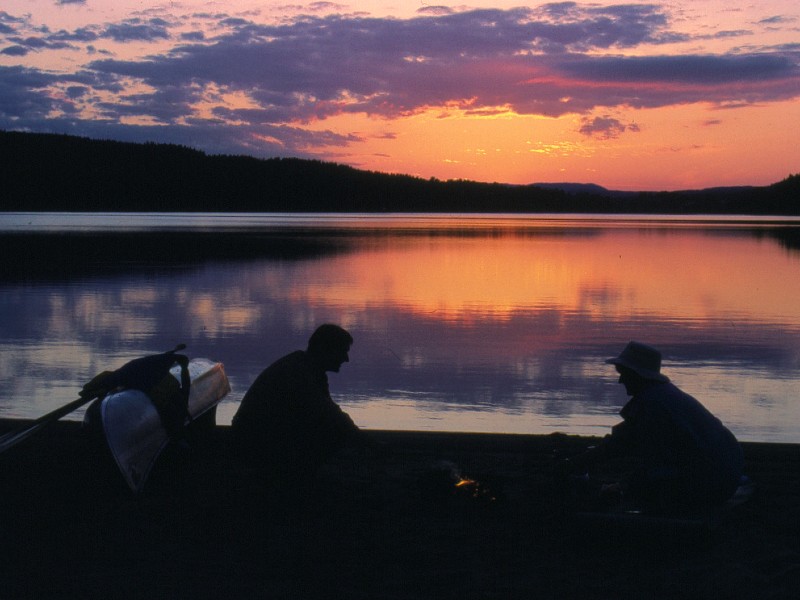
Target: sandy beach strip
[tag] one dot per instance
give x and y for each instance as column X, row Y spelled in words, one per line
column 388, row 524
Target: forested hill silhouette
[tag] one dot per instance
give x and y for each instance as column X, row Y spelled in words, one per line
column 46, row 172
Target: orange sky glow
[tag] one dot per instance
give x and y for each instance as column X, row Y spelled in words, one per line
column 656, row 96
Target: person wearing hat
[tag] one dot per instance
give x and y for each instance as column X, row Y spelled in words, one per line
column 684, row 457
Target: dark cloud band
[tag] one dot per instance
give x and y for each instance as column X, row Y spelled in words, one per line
column 557, row 59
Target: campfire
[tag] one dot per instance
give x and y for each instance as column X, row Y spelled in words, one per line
column 447, row 479
column 475, row 489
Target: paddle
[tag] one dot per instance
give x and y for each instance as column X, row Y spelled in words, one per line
column 12, row 438
column 99, row 386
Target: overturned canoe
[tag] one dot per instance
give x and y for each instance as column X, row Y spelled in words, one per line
column 134, row 430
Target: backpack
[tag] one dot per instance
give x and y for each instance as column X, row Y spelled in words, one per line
column 149, row 374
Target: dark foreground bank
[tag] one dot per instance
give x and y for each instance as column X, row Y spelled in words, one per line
column 387, row 524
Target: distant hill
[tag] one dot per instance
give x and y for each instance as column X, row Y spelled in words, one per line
column 598, row 190
column 46, row 172
column 581, row 188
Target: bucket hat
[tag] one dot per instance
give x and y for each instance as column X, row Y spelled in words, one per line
column 642, row 359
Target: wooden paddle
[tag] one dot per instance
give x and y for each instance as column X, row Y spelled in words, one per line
column 98, row 387
column 12, row 438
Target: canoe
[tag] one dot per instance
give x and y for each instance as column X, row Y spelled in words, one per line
column 133, row 429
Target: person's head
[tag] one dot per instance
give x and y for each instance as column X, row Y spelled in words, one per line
column 329, row 345
column 639, row 366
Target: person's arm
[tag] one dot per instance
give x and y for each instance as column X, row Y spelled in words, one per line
column 614, row 445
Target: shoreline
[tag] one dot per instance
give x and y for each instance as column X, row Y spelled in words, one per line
column 372, row 525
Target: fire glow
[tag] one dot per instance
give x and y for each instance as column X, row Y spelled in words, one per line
column 446, row 480
column 468, row 487
column 474, row 489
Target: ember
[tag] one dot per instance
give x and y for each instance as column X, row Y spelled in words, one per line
column 448, row 480
column 475, row 489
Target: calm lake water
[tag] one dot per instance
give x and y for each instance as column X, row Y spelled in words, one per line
column 491, row 323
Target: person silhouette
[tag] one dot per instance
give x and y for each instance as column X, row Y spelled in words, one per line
column 287, row 421
column 683, row 457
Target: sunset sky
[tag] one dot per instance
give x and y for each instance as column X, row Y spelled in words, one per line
column 657, row 96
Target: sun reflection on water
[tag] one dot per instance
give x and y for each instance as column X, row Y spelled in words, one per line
column 461, row 324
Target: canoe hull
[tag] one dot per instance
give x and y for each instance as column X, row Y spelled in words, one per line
column 133, row 429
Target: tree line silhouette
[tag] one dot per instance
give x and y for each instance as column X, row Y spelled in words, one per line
column 53, row 172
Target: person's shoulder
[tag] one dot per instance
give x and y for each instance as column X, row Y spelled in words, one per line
column 670, row 391
column 292, row 358
column 283, row 364
column 294, row 362
column 658, row 389
column 285, row 369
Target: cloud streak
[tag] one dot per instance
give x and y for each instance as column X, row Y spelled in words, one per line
column 232, row 84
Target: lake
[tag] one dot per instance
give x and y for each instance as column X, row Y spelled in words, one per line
column 486, row 323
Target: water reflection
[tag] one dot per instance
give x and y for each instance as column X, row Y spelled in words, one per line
column 495, row 325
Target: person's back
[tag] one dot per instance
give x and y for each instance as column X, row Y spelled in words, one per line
column 681, row 433
column 686, row 455
column 268, row 414
column 287, row 421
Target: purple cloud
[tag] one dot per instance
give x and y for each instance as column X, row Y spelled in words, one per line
column 7, row 18
column 776, row 20
column 316, row 67
column 82, row 34
column 325, row 6
column 699, row 69
column 15, row 50
column 23, row 97
column 39, row 43
column 193, row 36
column 138, row 30
column 559, row 58
column 605, row 127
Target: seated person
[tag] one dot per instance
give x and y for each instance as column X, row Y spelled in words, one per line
column 287, row 421
column 684, row 458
